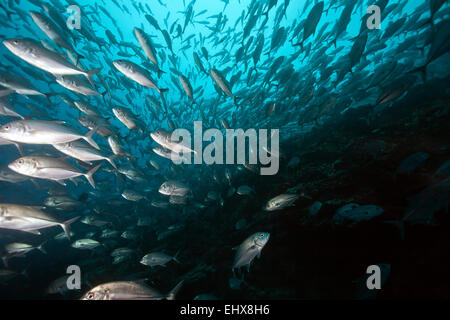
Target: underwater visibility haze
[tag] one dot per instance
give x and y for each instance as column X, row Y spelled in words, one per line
column 120, row 178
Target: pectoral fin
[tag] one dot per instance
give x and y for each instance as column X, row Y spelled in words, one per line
column 36, row 232
column 61, row 182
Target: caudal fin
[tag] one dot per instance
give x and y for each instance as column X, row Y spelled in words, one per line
column 171, row 295
column 160, row 72
column 422, row 70
column 88, row 138
column 66, row 226
column 111, row 161
column 48, row 95
column 5, row 262
column 298, row 44
column 235, row 99
column 19, row 147
column 4, row 93
column 161, row 91
column 79, row 56
column 334, row 42
column 9, row 14
column 41, row 248
column 175, row 257
column 89, row 175
column 103, row 94
column 400, row 224
column 89, row 75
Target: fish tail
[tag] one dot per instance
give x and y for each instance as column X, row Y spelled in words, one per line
column 422, row 70
column 79, row 56
column 298, row 44
column 48, row 95
column 160, row 72
column 400, row 224
column 19, row 147
column 25, row 273
column 103, row 95
column 4, row 93
column 89, row 175
column 9, row 13
column 161, row 91
column 127, row 136
column 66, row 226
column 5, row 261
column 41, row 247
column 422, row 50
column 334, row 42
column 354, row 38
column 88, row 138
column 171, row 295
column 235, row 99
column 119, row 176
column 89, row 75
column 175, row 257
column 111, row 161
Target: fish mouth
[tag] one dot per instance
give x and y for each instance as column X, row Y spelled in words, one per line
column 259, row 244
column 12, row 166
column 85, row 297
column 8, row 44
column 34, row 15
column 154, row 136
column 262, row 243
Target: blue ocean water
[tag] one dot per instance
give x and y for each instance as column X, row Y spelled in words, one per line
column 362, row 116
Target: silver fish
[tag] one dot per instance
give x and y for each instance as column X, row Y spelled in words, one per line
column 148, row 48
column 158, row 259
column 82, row 151
column 30, row 219
column 42, row 132
column 173, row 188
column 128, row 290
column 50, row 168
column 281, row 201
column 32, row 52
column 137, row 74
column 249, row 249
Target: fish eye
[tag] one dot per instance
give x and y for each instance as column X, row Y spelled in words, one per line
column 16, row 42
column 90, row 296
column 261, row 235
column 20, row 161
